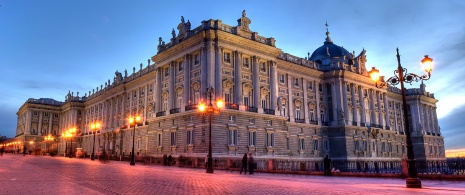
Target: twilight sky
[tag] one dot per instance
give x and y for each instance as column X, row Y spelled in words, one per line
column 49, row 47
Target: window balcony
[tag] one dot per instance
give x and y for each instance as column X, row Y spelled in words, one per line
column 162, row 113
column 175, row 110
column 268, row 111
column 313, row 122
column 251, row 109
column 299, row 120
column 324, row 123
column 354, row 123
column 232, row 106
column 191, row 107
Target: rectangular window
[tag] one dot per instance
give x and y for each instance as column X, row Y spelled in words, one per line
column 326, row 143
column 227, row 98
column 315, row 144
column 269, row 139
column 320, row 88
column 233, row 137
column 288, row 144
column 297, row 114
column 252, row 138
column 167, row 72
column 246, row 101
column 301, row 144
column 232, row 118
column 269, row 122
column 310, row 86
column 190, row 140
column 383, row 147
column 173, row 138
column 245, row 63
column 296, row 82
column 227, row 57
column 356, row 146
column 196, row 59
column 281, row 78
column 262, row 66
column 180, row 66
column 159, row 139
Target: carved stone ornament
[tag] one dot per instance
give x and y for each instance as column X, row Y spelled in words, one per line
column 311, row 105
column 264, row 92
column 165, row 96
column 196, row 86
column 227, row 84
column 298, row 103
column 246, row 88
column 179, row 91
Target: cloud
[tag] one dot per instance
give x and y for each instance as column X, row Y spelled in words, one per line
column 455, row 153
column 453, row 128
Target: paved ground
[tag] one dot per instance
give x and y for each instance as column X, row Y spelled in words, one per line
column 57, row 175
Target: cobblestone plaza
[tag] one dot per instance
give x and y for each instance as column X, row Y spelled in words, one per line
column 57, row 175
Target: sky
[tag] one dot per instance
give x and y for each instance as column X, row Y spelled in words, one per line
column 49, row 47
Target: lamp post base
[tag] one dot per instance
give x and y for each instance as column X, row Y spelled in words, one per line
column 132, row 163
column 92, row 157
column 413, row 183
column 210, row 165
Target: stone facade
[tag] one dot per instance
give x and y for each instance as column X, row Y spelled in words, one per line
column 277, row 105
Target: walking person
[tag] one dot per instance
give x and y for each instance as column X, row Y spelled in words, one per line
column 244, row 164
column 206, row 162
column 251, row 163
column 327, row 166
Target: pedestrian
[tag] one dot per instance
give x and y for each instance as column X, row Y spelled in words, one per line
column 327, row 165
column 244, row 164
column 251, row 163
column 164, row 159
column 1, row 151
column 170, row 158
column 206, row 162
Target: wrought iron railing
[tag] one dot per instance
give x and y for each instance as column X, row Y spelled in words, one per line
column 232, row 106
column 313, row 122
column 191, row 107
column 251, row 109
column 162, row 113
column 175, row 110
column 268, row 111
column 299, row 120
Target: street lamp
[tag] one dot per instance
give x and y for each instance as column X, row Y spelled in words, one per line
column 133, row 121
column 48, row 139
column 209, row 110
column 72, row 131
column 94, row 126
column 401, row 76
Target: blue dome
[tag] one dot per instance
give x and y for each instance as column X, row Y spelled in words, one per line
column 329, row 48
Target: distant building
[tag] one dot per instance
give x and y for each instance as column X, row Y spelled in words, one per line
column 277, row 105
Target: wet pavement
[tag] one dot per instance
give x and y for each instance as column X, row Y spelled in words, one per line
column 58, row 175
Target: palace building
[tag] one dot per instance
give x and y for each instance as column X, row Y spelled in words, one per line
column 277, row 105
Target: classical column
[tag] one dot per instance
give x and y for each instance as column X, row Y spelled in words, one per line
column 39, row 129
column 237, row 78
column 218, row 73
column 123, row 108
column 256, row 82
column 50, row 123
column 435, row 119
column 290, row 99
column 361, row 98
column 171, row 89
column 387, row 120
column 395, row 116
column 28, row 122
column 117, row 119
column 274, row 86
column 146, row 93
column 317, row 98
column 210, row 65
column 334, row 103
column 306, row 112
column 380, row 114
column 372, row 106
column 344, row 102
column 354, row 104
column 203, row 72
column 157, row 92
column 186, row 83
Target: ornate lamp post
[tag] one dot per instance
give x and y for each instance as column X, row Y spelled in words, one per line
column 133, row 121
column 94, row 126
column 209, row 110
column 72, row 131
column 401, row 76
column 48, row 139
